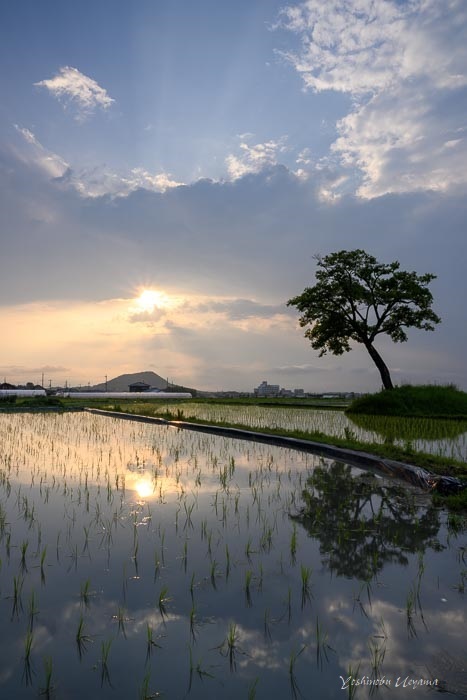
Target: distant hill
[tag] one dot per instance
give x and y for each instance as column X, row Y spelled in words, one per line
column 154, row 380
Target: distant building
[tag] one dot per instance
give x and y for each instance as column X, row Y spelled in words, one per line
column 139, row 386
column 265, row 389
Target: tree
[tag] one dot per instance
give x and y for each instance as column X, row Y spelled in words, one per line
column 356, row 298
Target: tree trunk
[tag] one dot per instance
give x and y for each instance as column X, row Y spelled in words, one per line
column 381, row 365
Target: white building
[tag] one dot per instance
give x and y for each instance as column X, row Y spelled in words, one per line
column 265, row 389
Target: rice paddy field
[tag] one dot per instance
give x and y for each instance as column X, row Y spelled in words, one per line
column 447, row 438
column 144, row 561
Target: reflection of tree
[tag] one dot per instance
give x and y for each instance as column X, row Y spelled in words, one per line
column 362, row 523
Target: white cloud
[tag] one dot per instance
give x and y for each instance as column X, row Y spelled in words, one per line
column 101, row 181
column 76, row 89
column 35, row 154
column 89, row 183
column 405, row 65
column 402, row 141
column 253, row 159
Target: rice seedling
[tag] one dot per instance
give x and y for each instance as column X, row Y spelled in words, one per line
column 85, row 593
column 248, row 550
column 193, row 623
column 48, row 688
column 120, row 617
column 105, row 651
column 231, row 646
column 27, row 668
column 157, row 565
column 144, row 691
column 305, row 575
column 322, row 646
column 295, row 690
column 252, row 689
column 17, row 589
column 198, row 669
column 267, row 625
column 260, row 577
column 192, row 586
column 293, row 544
column 248, row 577
column 352, row 687
column 377, row 654
column 32, row 610
column 410, row 612
column 162, row 602
column 214, row 574
column 82, row 639
column 289, row 605
column 42, row 565
column 24, row 549
column 150, row 641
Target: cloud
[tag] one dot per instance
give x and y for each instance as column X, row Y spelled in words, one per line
column 77, row 90
column 304, row 369
column 95, row 182
column 99, row 182
column 35, row 154
column 23, row 370
column 405, row 67
column 239, row 249
column 242, row 309
column 253, row 159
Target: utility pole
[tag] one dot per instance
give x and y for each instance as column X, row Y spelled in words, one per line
column 106, row 383
column 42, row 383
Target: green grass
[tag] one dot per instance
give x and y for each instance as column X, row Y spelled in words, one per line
column 418, row 401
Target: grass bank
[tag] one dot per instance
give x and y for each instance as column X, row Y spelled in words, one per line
column 414, row 401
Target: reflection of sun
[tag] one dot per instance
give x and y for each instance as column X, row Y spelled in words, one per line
column 144, row 488
column 150, row 299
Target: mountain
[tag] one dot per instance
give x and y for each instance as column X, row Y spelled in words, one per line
column 122, row 382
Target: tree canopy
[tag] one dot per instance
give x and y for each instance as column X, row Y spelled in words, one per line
column 356, row 298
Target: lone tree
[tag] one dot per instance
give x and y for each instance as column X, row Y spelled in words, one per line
column 356, row 298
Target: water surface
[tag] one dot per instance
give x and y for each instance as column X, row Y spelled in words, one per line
column 139, row 560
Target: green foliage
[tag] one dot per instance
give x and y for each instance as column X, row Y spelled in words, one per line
column 356, row 298
column 8, row 399
column 36, row 401
column 425, row 400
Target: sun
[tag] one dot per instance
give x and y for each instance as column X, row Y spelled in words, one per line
column 151, row 299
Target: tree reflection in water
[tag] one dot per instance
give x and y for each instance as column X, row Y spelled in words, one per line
column 363, row 522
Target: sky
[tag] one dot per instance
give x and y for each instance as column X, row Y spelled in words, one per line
column 169, row 171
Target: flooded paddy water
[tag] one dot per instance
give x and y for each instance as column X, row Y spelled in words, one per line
column 141, row 561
